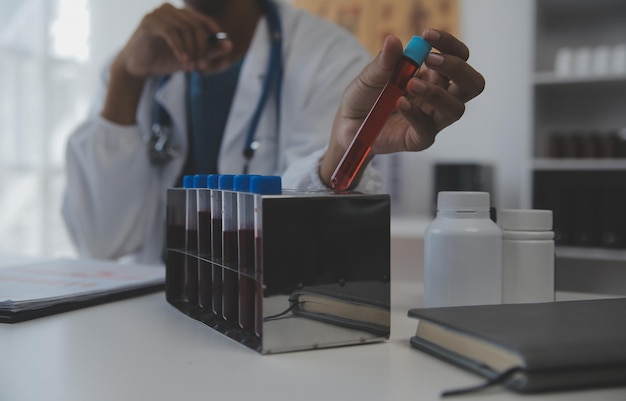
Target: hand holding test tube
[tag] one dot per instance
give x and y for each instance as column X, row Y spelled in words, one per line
column 414, row 55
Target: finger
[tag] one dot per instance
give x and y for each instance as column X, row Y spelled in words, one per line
column 187, row 30
column 200, row 28
column 446, row 106
column 187, row 35
column 170, row 27
column 422, row 124
column 192, row 32
column 377, row 73
column 366, row 87
column 433, row 76
column 446, row 43
column 467, row 83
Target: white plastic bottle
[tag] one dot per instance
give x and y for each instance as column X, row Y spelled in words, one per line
column 527, row 256
column 462, row 252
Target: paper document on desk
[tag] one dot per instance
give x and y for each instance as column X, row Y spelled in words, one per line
column 31, row 290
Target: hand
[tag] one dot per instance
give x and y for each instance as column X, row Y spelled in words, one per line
column 167, row 40
column 435, row 98
column 170, row 39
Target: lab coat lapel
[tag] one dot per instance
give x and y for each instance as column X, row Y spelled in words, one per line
column 245, row 101
column 172, row 97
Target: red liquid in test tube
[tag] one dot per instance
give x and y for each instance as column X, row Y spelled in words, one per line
column 230, row 251
column 245, row 234
column 414, row 55
column 216, row 245
column 204, row 250
column 216, row 270
column 191, row 242
column 246, row 282
column 230, row 279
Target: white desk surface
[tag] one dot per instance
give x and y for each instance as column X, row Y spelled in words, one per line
column 144, row 349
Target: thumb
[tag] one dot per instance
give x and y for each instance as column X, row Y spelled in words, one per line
column 364, row 90
column 384, row 64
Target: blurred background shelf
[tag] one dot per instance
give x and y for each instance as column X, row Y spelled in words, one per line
column 577, row 167
column 579, row 164
column 591, row 254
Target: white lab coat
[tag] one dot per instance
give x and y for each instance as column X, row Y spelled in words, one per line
column 115, row 203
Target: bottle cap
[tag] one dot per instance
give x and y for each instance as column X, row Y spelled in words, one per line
column 225, row 181
column 526, row 219
column 462, row 200
column 212, row 181
column 266, row 185
column 417, row 49
column 200, row 181
column 241, row 182
column 188, row 181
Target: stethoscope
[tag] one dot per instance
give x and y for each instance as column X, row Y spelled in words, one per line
column 161, row 151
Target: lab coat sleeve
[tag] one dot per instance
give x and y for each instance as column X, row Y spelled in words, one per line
column 109, row 177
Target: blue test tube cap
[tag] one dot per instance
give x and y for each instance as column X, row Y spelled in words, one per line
column 241, row 182
column 225, row 181
column 266, row 185
column 200, row 181
column 188, row 181
column 417, row 49
column 213, row 181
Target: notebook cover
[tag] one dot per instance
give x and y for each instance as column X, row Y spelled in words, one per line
column 564, row 345
column 70, row 305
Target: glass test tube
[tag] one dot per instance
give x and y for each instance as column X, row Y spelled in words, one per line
column 230, row 310
column 216, row 246
column 264, row 185
column 245, row 232
column 191, row 243
column 203, row 204
column 175, row 243
column 414, row 54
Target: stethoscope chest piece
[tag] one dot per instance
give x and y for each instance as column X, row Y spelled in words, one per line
column 160, row 150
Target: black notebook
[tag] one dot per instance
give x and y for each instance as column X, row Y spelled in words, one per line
column 362, row 305
column 544, row 346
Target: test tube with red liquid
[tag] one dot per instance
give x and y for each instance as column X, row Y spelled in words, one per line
column 414, row 55
column 203, row 204
column 216, row 246
column 245, row 230
column 260, row 186
column 191, row 242
column 230, row 252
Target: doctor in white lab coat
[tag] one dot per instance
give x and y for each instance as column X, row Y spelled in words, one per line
column 115, row 198
column 115, row 204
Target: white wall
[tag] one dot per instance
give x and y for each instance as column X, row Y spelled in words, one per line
column 496, row 126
